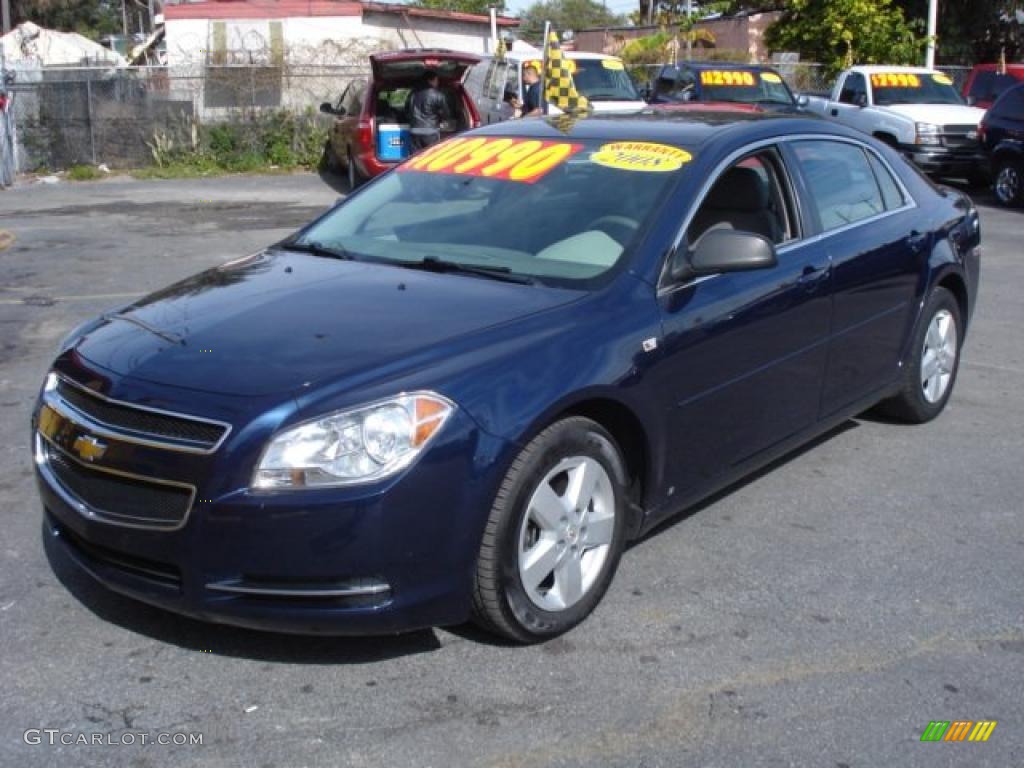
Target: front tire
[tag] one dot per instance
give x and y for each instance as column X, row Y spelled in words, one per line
column 930, row 374
column 555, row 534
column 1009, row 182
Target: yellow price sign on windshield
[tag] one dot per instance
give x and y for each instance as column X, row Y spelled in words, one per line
column 732, row 77
column 492, row 157
column 895, row 80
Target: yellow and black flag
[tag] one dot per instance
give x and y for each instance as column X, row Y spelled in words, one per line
column 501, row 50
column 559, row 88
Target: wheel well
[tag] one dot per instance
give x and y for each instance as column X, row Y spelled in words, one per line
column 955, row 285
column 628, row 432
column 886, row 138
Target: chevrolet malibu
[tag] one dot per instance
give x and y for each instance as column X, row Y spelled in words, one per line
column 460, row 392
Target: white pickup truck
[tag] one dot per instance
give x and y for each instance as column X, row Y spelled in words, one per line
column 916, row 110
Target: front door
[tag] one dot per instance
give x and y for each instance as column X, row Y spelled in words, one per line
column 745, row 352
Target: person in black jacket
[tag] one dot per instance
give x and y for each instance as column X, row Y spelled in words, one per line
column 428, row 107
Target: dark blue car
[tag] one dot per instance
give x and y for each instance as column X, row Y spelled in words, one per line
column 461, row 391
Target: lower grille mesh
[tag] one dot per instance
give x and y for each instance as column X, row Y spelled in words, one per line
column 121, row 499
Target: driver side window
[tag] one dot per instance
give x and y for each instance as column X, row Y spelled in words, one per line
column 750, row 196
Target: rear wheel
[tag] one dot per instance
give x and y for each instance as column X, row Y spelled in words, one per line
column 929, row 375
column 554, row 535
column 1009, row 181
column 329, row 161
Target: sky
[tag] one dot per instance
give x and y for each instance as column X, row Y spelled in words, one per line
column 516, row 7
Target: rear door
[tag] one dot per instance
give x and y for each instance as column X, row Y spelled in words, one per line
column 410, row 66
column 744, row 352
column 871, row 228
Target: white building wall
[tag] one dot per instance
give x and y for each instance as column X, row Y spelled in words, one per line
column 422, row 32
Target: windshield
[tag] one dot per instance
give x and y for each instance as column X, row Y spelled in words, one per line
column 560, row 212
column 604, row 80
column 920, row 88
column 744, row 86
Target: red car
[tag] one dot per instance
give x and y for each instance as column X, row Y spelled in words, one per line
column 370, row 133
column 987, row 81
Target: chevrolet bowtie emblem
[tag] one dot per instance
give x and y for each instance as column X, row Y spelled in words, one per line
column 88, row 448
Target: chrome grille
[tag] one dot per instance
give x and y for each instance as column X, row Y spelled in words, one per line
column 959, row 136
column 169, row 430
column 115, row 497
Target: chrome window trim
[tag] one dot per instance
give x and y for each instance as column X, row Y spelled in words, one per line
column 908, row 201
column 98, row 515
column 112, row 431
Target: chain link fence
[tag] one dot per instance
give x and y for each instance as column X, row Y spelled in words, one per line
column 66, row 117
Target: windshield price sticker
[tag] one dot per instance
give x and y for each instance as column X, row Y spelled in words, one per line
column 895, row 80
column 942, row 79
column 770, row 77
column 726, row 77
column 641, row 156
column 523, row 160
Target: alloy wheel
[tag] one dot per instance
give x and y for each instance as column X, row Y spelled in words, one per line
column 1008, row 183
column 566, row 533
column 938, row 359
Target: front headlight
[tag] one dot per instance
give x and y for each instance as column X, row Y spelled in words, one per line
column 927, row 133
column 353, row 446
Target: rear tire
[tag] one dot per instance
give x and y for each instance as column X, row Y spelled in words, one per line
column 555, row 534
column 355, row 178
column 929, row 375
column 329, row 161
column 1008, row 181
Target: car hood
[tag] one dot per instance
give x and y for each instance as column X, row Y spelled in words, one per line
column 939, row 114
column 282, row 321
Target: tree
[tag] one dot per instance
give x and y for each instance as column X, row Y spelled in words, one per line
column 973, row 30
column 841, row 33
column 563, row 15
column 481, row 7
column 92, row 18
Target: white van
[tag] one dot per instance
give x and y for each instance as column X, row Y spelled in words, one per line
column 599, row 77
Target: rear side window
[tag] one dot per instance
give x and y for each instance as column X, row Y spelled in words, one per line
column 841, row 182
column 496, row 81
column 477, row 78
column 892, row 196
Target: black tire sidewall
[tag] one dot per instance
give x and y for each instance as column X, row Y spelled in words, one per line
column 939, row 299
column 572, row 438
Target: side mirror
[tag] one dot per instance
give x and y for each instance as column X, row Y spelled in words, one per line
column 972, row 100
column 328, row 109
column 802, row 100
column 861, row 100
column 731, row 250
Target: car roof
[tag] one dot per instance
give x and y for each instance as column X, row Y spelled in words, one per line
column 688, row 129
column 876, row 68
column 531, row 56
column 991, row 66
column 698, row 65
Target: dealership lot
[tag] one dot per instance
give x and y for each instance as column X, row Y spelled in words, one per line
column 821, row 613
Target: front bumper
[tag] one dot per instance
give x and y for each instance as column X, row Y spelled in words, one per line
column 375, row 559
column 940, row 161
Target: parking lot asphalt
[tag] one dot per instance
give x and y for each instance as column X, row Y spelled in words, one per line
column 819, row 614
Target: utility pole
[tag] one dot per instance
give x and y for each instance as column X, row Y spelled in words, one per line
column 933, row 23
column 5, row 12
column 689, row 30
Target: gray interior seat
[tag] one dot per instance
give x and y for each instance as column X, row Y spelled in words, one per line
column 739, row 200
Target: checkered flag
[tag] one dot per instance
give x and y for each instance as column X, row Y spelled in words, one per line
column 559, row 88
column 501, row 50
column 565, row 121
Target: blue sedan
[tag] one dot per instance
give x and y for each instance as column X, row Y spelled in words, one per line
column 460, row 392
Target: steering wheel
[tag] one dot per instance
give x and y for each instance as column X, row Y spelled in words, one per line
column 619, row 228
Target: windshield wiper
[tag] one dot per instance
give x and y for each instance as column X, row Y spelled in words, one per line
column 436, row 264
column 317, row 248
